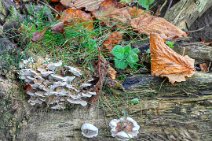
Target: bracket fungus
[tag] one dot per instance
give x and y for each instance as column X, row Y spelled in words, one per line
column 124, row 128
column 89, row 130
column 54, row 84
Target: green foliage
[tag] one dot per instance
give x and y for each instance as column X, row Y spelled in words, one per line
column 125, row 56
column 126, row 1
column 170, row 44
column 134, row 101
column 145, row 3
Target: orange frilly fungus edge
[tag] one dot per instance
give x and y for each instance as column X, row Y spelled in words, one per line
column 167, row 63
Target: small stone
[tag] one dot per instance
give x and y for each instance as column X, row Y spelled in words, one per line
column 6, row 46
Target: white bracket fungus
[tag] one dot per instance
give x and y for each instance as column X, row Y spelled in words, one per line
column 49, row 83
column 124, row 129
column 89, row 130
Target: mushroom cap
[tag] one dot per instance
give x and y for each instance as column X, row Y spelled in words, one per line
column 89, row 130
column 124, row 128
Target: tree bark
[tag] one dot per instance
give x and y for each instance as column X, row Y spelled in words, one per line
column 185, row 12
column 196, row 50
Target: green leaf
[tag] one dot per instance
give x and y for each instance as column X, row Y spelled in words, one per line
column 127, row 50
column 125, row 1
column 145, row 3
column 120, row 64
column 118, row 51
column 170, row 44
column 132, row 58
column 136, row 50
column 134, row 101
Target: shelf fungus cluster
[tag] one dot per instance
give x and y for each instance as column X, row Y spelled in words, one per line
column 124, row 128
column 54, row 84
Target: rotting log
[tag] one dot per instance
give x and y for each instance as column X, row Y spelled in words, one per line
column 195, row 50
column 175, row 112
column 198, row 84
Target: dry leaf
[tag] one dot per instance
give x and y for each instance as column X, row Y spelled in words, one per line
column 135, row 12
column 59, row 7
column 67, row 3
column 58, row 28
column 110, row 11
column 104, row 11
column 167, row 63
column 113, row 39
column 204, row 67
column 148, row 24
column 89, row 5
column 73, row 16
column 37, row 36
column 112, row 73
column 28, row 87
column 55, row 0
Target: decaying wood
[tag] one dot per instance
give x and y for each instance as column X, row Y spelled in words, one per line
column 198, row 51
column 199, row 83
column 185, row 12
column 166, row 112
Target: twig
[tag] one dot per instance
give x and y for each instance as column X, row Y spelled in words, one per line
column 49, row 7
column 102, row 71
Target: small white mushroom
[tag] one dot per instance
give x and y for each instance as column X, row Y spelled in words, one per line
column 30, row 93
column 58, row 107
column 56, row 77
column 44, row 73
column 73, row 70
column 33, row 101
column 77, row 101
column 25, row 63
column 53, row 89
column 124, row 128
column 84, row 85
column 88, row 94
column 53, row 66
column 69, row 79
column 89, row 130
column 27, row 72
column 56, row 85
column 40, row 93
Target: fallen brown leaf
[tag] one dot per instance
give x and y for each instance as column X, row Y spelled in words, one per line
column 135, row 12
column 113, row 39
column 55, row 0
column 111, row 72
column 148, row 24
column 37, row 36
column 105, row 10
column 89, row 5
column 73, row 16
column 167, row 63
column 59, row 7
column 204, row 67
column 110, row 12
column 58, row 28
